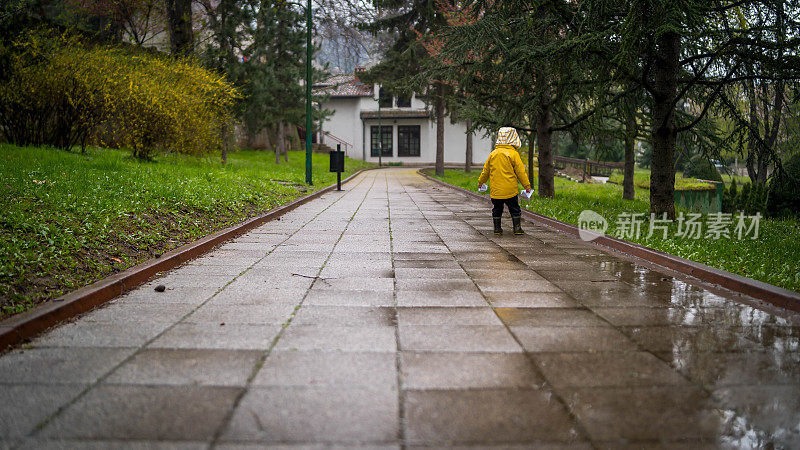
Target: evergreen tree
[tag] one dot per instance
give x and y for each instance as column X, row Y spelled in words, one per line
column 260, row 45
column 227, row 20
column 413, row 21
column 685, row 53
column 275, row 66
column 559, row 58
column 496, row 53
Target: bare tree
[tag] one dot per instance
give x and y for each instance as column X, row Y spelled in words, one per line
column 344, row 44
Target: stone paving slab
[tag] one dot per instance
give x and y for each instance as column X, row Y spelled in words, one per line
column 27, row 405
column 77, row 444
column 302, row 414
column 329, row 368
column 145, row 412
column 389, row 316
column 60, row 365
column 486, row 415
column 187, row 367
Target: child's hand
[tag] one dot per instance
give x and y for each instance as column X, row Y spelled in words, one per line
column 528, row 191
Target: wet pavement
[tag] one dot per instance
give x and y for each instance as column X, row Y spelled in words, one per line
column 389, row 316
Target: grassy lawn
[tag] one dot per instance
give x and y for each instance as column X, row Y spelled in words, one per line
column 773, row 258
column 67, row 219
column 641, row 179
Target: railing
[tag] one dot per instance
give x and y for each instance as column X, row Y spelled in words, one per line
column 589, row 167
column 344, row 143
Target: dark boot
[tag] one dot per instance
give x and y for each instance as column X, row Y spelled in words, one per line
column 498, row 230
column 517, row 225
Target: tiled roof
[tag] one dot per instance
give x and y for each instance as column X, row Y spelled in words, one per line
column 344, row 86
column 396, row 114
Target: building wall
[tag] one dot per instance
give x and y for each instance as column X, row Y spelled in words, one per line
column 346, row 123
column 340, row 124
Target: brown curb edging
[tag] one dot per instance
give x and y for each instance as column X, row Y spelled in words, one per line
column 769, row 293
column 25, row 325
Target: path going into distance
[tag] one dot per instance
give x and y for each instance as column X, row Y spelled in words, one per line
column 389, row 316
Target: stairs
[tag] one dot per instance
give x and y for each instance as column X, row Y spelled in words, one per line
column 320, row 148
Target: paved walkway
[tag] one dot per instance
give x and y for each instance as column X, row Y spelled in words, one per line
column 388, row 316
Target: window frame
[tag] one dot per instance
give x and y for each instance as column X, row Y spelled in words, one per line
column 388, row 150
column 407, row 103
column 385, row 98
column 410, row 131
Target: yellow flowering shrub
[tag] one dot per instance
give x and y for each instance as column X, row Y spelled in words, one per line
column 63, row 93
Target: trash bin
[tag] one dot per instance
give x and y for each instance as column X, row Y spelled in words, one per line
column 337, row 165
column 337, row 160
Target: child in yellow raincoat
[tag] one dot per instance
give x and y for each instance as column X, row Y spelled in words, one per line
column 504, row 169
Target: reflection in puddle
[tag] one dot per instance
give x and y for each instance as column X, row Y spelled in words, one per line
column 740, row 363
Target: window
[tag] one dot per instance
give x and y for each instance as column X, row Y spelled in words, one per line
column 408, row 140
column 386, row 137
column 404, row 101
column 385, row 98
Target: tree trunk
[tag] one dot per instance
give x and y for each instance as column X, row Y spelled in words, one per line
column 753, row 145
column 468, row 161
column 284, row 144
column 439, row 110
column 662, row 178
column 555, row 142
column 531, row 140
column 544, row 143
column 226, row 138
column 250, row 137
column 179, row 24
column 279, row 143
column 630, row 142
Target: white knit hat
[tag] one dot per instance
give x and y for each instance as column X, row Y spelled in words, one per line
column 508, row 136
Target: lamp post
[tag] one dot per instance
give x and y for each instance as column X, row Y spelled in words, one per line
column 380, row 128
column 309, row 121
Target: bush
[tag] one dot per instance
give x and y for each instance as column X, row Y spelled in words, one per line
column 784, row 191
column 751, row 199
column 44, row 97
column 63, row 93
column 700, row 167
column 729, row 198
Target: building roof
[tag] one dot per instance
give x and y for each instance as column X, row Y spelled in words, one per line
column 345, row 85
column 396, row 114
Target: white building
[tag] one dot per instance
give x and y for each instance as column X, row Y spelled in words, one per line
column 408, row 127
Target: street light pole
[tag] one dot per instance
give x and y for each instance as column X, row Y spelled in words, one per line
column 377, row 96
column 309, row 121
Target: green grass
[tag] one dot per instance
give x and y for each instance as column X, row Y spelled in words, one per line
column 641, row 179
column 740, row 180
column 773, row 258
column 69, row 219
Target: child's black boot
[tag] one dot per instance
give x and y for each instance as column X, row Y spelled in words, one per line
column 517, row 225
column 498, row 230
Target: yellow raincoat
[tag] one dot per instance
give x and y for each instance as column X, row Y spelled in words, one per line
column 503, row 168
